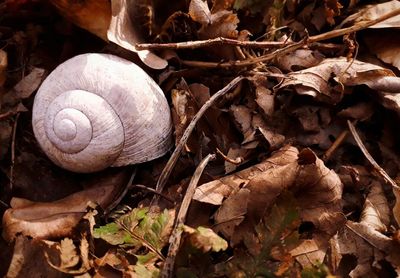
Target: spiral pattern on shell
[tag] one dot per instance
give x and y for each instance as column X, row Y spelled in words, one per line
column 99, row 110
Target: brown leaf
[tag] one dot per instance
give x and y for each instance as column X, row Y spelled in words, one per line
column 376, row 212
column 223, row 24
column 3, row 67
column 199, row 12
column 205, row 239
column 125, row 32
column 28, row 259
column 385, row 45
column 309, row 252
column 92, row 15
column 58, row 218
column 215, row 191
column 361, row 111
column 265, row 99
column 371, row 12
column 325, row 82
column 299, row 59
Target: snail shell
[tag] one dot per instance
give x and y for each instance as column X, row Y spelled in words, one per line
column 99, row 110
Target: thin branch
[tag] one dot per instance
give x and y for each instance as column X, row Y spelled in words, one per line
column 210, row 42
column 339, row 140
column 293, row 46
column 371, row 160
column 14, row 133
column 162, row 180
column 247, row 62
column 176, row 235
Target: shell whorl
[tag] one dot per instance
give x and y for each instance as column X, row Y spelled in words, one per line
column 99, row 110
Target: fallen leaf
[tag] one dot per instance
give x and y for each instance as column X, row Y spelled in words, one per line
column 326, row 81
column 92, row 15
column 28, row 259
column 299, row 59
column 125, row 32
column 3, row 67
column 385, row 45
column 371, row 12
column 205, row 239
column 199, row 12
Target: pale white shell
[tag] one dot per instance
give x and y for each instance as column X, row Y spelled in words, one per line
column 99, row 110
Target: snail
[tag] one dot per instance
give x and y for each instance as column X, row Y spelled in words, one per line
column 99, row 110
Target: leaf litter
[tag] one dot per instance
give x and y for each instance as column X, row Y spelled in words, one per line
column 299, row 100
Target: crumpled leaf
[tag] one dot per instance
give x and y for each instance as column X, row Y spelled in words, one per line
column 92, row 15
column 376, row 212
column 385, row 45
column 70, row 261
column 371, row 12
column 28, row 259
column 58, row 218
column 299, row 59
column 125, row 32
column 326, row 81
column 367, row 244
column 3, row 67
column 318, row 191
column 205, row 239
column 199, row 12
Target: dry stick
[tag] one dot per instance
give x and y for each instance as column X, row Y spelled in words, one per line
column 294, row 46
column 176, row 235
column 339, row 140
column 371, row 160
column 210, row 42
column 13, row 152
column 175, row 155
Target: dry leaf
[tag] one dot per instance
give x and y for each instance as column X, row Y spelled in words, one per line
column 205, row 239
column 58, row 218
column 3, row 67
column 125, row 32
column 92, row 15
column 371, row 12
column 376, row 212
column 326, row 81
column 385, row 45
column 28, row 259
column 299, row 59
column 199, row 12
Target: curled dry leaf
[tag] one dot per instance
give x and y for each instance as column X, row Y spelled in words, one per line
column 371, row 12
column 3, row 67
column 299, row 59
column 376, row 212
column 199, row 12
column 125, row 32
column 325, row 81
column 385, row 45
column 58, row 218
column 92, row 15
column 318, row 191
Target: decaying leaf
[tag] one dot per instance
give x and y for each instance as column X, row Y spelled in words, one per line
column 205, row 239
column 92, row 15
column 3, row 67
column 57, row 219
column 125, row 32
column 326, row 80
column 374, row 11
column 199, row 12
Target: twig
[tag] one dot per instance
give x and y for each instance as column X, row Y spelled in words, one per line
column 236, row 161
column 339, row 140
column 7, row 114
column 293, row 46
column 247, row 62
column 175, row 155
column 176, row 235
column 371, row 160
column 13, row 152
column 210, row 42
column 152, row 190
